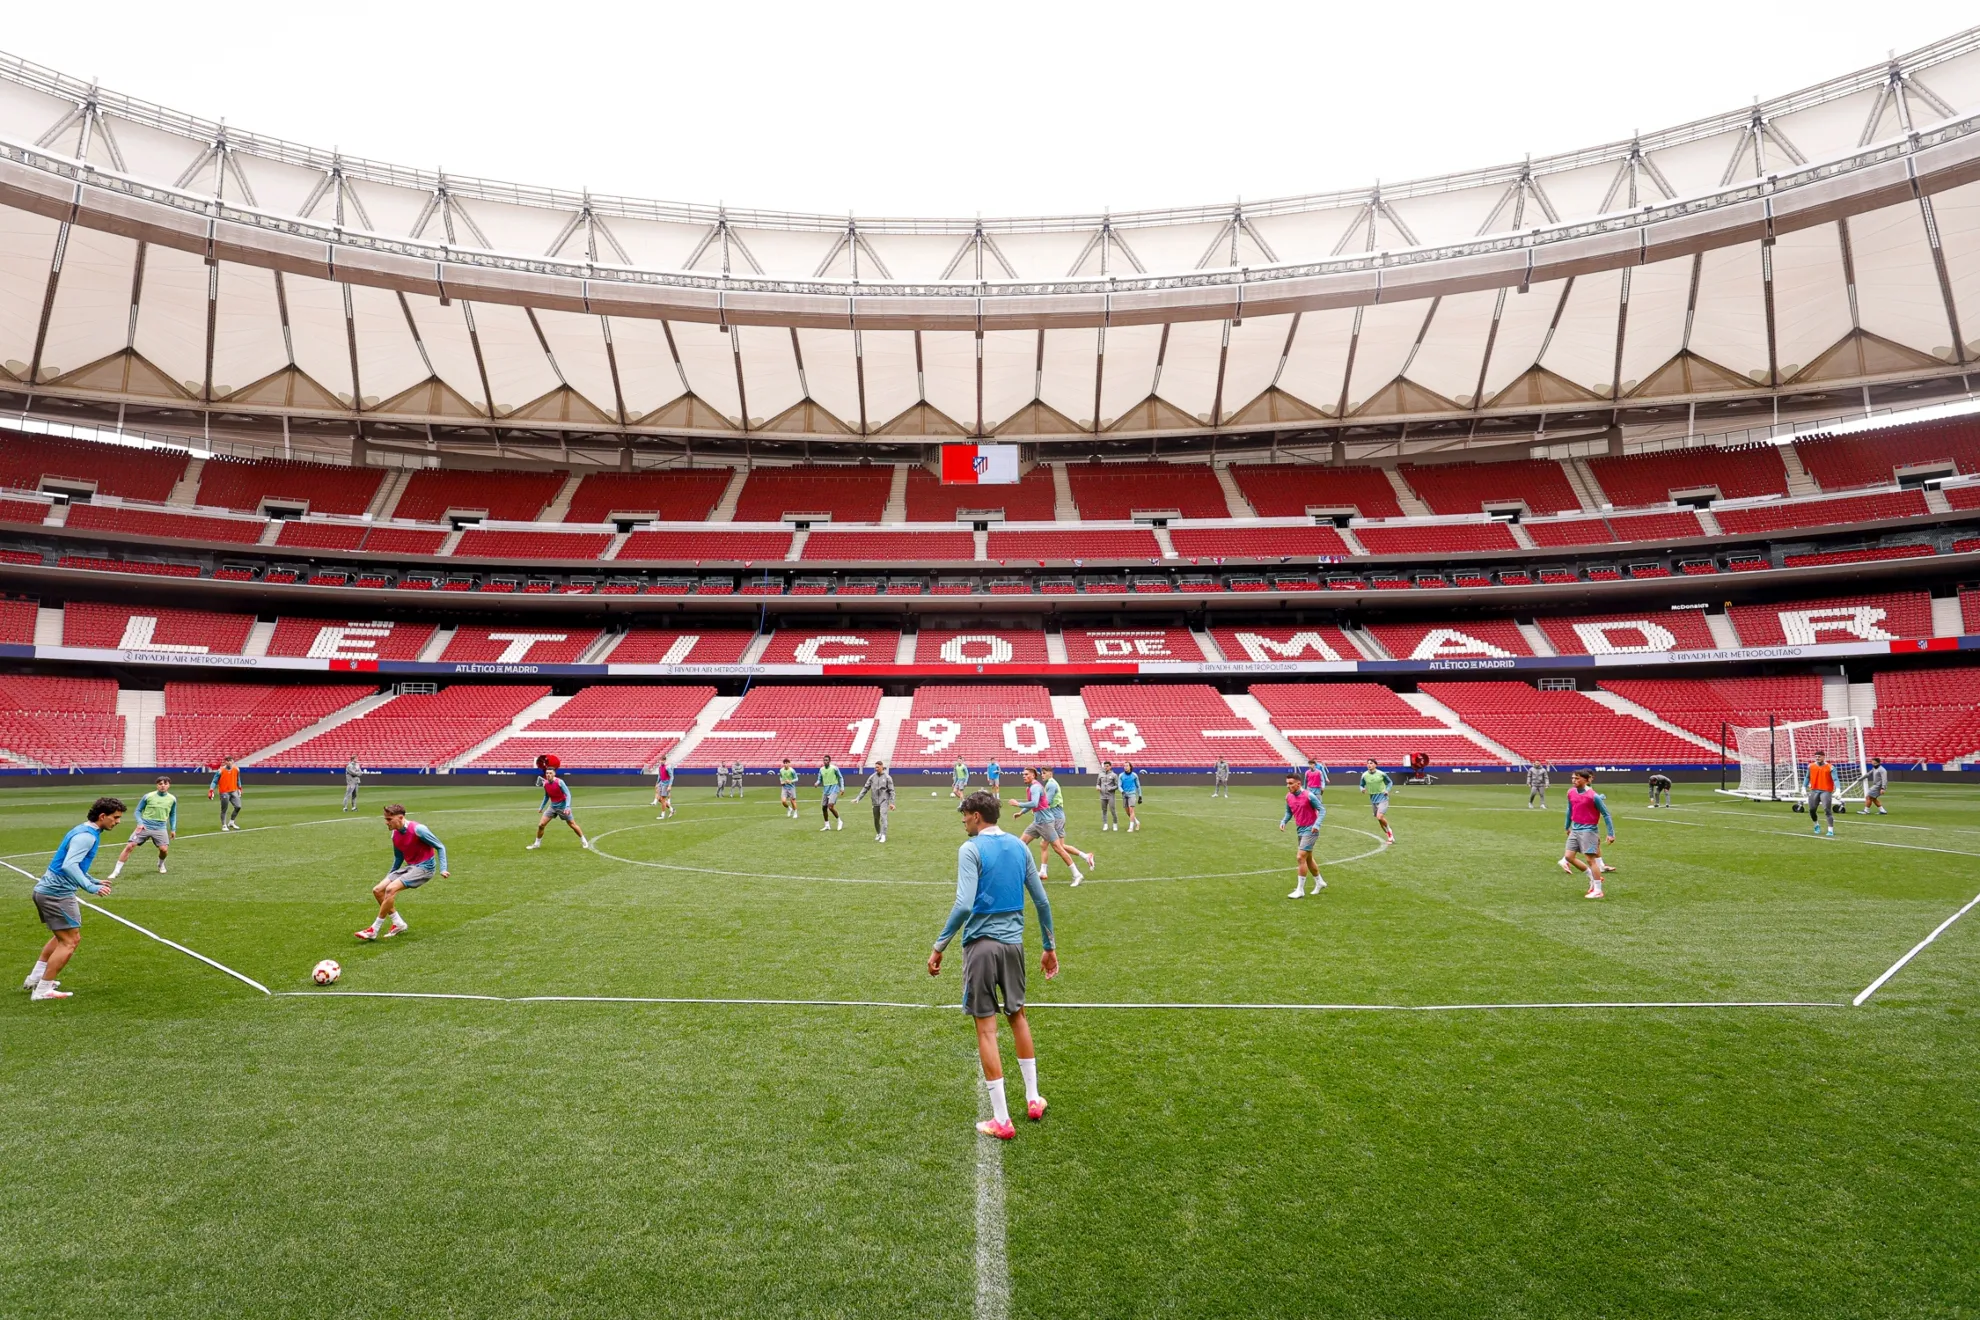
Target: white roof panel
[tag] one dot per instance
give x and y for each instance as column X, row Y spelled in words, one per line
column 647, row 372
column 92, row 303
column 247, row 329
column 1130, row 371
column 1811, row 297
column 1730, row 326
column 1897, row 287
column 171, row 323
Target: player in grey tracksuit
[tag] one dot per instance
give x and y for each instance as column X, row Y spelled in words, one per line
column 1223, row 778
column 1109, row 784
column 353, row 778
column 880, row 784
column 736, row 777
column 1875, row 780
column 1536, row 785
column 721, row 779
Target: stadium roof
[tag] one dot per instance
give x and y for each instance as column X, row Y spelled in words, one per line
column 1818, row 241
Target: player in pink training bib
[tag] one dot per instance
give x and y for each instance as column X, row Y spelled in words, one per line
column 1586, row 811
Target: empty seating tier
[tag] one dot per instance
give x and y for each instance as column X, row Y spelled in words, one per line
column 1843, row 462
column 804, row 724
column 432, row 494
column 233, row 483
column 605, row 727
column 1926, row 716
column 482, row 543
column 1635, row 480
column 846, row 494
column 153, row 522
column 689, row 495
column 124, row 471
column 1306, row 645
column 147, row 628
column 851, row 645
column 147, row 567
column 17, row 622
column 1649, row 631
column 1877, row 618
column 1656, row 526
column 204, row 723
column 1562, row 728
column 1290, row 490
column 1539, row 484
column 1115, row 645
column 1462, row 639
column 1338, row 707
column 1174, row 726
column 667, row 646
column 416, row 731
column 705, row 547
column 1043, row 545
column 890, row 547
column 1822, row 513
column 1011, row 724
column 1436, row 538
column 1199, row 543
column 1111, row 491
column 28, row 512
column 60, row 722
column 545, row 644
column 323, row 639
column 982, row 646
column 1031, row 499
column 1705, row 706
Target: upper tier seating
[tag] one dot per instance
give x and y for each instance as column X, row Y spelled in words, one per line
column 704, row 547
column 1876, row 618
column 669, row 646
column 889, row 547
column 686, row 495
column 1537, row 483
column 1573, row 531
column 1871, row 554
column 1115, row 645
column 1309, row 644
column 60, row 721
column 1117, row 543
column 1030, row 499
column 147, row 567
column 525, row 547
column 1009, row 723
column 1634, row 480
column 1930, row 715
column 529, row 643
column 502, row 496
column 1462, row 638
column 1289, row 490
column 1844, row 462
column 1673, row 526
column 773, row 722
column 1822, row 513
column 204, row 723
column 233, row 483
column 1704, row 706
column 1436, row 539
column 148, row 628
column 1118, row 491
column 1176, row 726
column 26, row 512
column 1197, row 543
column 17, row 621
column 1649, row 630
column 853, row 644
column 848, row 494
column 981, row 646
column 416, row 732
column 1562, row 728
column 356, row 536
column 324, row 639
column 124, row 471
column 152, row 522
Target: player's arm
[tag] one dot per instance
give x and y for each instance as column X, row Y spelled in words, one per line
column 1048, row 961
column 72, row 865
column 172, row 823
column 439, row 848
column 969, row 870
column 1602, row 805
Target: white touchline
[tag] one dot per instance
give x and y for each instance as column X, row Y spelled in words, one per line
column 993, row 1266
column 1047, row 1005
column 190, row 953
column 1916, row 949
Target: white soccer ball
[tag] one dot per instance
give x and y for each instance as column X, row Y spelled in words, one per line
column 934, row 792
column 326, row 972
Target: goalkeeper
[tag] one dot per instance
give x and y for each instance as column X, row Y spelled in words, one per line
column 1822, row 793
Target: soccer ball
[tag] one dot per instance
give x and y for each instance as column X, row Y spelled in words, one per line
column 326, row 972
column 934, row 792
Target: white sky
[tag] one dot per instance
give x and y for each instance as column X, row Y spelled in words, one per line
column 926, row 108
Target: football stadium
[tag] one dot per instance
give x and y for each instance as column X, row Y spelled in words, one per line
column 425, row 599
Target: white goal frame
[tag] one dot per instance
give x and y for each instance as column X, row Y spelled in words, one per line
column 1772, row 759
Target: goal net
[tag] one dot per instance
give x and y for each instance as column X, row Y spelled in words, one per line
column 1773, row 759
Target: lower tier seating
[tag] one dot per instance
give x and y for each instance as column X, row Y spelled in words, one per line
column 204, row 723
column 60, row 722
column 1561, row 728
column 1011, row 724
column 773, row 722
column 1177, row 725
column 1704, row 706
column 416, row 731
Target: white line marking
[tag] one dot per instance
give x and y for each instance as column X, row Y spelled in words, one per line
column 1117, row 1006
column 598, row 999
column 156, row 936
column 993, row 1266
column 1916, row 949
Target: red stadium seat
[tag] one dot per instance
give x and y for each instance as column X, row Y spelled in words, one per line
column 1101, row 544
column 501, row 496
column 1926, row 716
column 981, row 646
column 847, row 494
column 1635, row 480
column 705, row 547
column 1011, row 724
column 323, row 639
column 667, row 646
column 204, row 723
column 1317, row 642
column 803, row 723
column 234, row 483
column 156, row 522
column 1314, row 542
column 686, row 495
column 528, row 643
column 1118, row 491
column 1435, row 538
column 1173, row 726
column 1460, row 638
column 1031, row 499
column 1115, row 645
column 1877, row 618
column 1290, row 490
column 1872, row 458
column 850, row 645
column 523, row 547
column 1562, row 728
column 889, row 547
column 1822, row 513
column 416, row 732
column 1648, row 631
column 1705, row 706
column 60, row 722
column 607, row 726
column 125, row 471
column 149, row 628
column 1539, row 484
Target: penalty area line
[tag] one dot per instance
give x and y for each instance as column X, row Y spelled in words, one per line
column 1914, row 951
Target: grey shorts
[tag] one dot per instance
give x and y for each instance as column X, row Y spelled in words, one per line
column 1046, row 828
column 1585, row 841
column 1308, row 836
column 1820, row 799
column 558, row 810
column 412, row 877
column 231, row 800
column 991, row 967
column 157, row 834
column 65, row 913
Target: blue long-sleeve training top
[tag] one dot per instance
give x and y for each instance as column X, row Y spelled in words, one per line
column 68, row 869
column 993, row 874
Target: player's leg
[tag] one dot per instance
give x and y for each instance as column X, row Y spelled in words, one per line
column 1027, row 1057
column 386, row 891
column 1595, row 869
column 542, row 824
column 570, row 819
column 41, row 963
column 1066, row 855
column 60, row 948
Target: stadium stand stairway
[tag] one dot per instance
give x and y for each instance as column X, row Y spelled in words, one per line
column 360, row 705
column 1431, row 708
column 540, row 709
column 717, row 710
column 1249, row 709
column 1624, row 706
column 140, row 709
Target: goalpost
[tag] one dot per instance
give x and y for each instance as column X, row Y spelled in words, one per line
column 1772, row 759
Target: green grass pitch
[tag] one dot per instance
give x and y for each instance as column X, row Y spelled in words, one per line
column 177, row 1145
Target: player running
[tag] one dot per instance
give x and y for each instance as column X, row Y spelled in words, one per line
column 1822, row 793
column 830, row 783
column 1220, row 778
column 993, row 775
column 353, row 778
column 227, row 786
column 1109, row 785
column 557, row 804
column 1375, row 782
column 1305, row 810
column 1048, row 823
column 1875, row 780
column 1536, row 786
column 417, row 854
column 880, row 783
column 663, row 789
column 993, row 874
column 1131, row 794
column 1585, row 810
column 55, row 899
column 157, row 822
column 1660, row 791
column 787, row 781
column 959, row 778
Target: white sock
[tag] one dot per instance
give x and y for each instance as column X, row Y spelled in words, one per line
column 398, row 919
column 379, row 924
column 116, row 870
column 998, row 1109
column 1029, row 1067
column 40, row 970
column 1078, row 875
column 1088, row 857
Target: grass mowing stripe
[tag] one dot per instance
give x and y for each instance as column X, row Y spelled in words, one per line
column 1915, row 950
